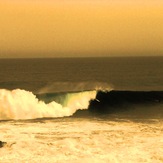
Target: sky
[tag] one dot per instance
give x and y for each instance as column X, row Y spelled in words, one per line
column 80, row 28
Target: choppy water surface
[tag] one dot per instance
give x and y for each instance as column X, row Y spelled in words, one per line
column 80, row 139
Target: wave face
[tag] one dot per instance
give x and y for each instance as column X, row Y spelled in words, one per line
column 21, row 104
column 129, row 102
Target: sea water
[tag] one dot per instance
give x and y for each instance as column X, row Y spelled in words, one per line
column 81, row 109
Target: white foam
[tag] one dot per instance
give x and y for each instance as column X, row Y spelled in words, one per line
column 21, row 104
column 78, row 140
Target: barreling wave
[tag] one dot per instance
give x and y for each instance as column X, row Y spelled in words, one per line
column 21, row 104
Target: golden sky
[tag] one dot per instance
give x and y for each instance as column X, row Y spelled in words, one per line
column 53, row 28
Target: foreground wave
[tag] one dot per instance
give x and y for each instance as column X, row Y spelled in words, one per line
column 21, row 104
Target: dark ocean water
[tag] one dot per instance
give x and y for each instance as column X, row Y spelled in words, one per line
column 81, row 109
column 128, row 73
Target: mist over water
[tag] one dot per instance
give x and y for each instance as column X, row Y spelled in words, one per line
column 74, row 87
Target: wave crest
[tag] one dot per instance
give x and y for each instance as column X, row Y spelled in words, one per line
column 21, row 104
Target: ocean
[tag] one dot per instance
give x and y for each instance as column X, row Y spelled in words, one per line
column 95, row 110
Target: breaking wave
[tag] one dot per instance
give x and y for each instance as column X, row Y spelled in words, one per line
column 21, row 104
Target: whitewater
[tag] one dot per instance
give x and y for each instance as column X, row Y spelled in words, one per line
column 78, row 140
column 85, row 109
column 21, row 104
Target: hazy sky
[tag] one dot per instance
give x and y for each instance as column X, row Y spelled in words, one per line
column 49, row 28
